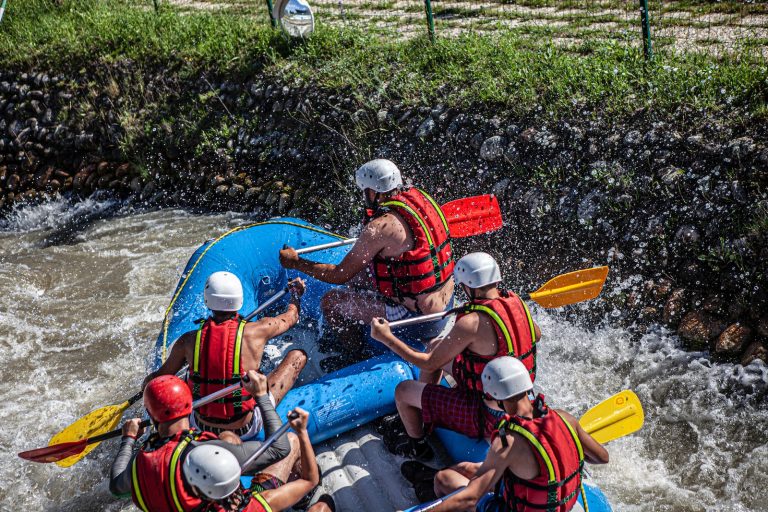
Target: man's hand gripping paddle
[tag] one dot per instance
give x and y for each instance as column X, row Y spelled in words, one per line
column 465, row 217
column 93, row 426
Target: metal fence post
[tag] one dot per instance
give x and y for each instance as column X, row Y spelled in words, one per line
column 430, row 20
column 647, row 49
column 272, row 18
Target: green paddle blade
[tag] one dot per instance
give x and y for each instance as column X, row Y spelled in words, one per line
column 614, row 417
column 91, row 425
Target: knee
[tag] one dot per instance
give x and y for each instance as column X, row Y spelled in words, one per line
column 407, row 393
column 297, row 357
column 443, row 482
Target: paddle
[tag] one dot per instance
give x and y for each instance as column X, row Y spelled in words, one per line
column 562, row 290
column 107, row 418
column 76, row 449
column 271, row 439
column 466, row 217
column 614, row 417
column 2, row 10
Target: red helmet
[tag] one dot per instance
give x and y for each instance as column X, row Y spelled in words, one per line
column 167, row 398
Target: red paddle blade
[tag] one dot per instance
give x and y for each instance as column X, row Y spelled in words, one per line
column 56, row 452
column 473, row 215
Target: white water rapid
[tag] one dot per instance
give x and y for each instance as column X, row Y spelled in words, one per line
column 80, row 310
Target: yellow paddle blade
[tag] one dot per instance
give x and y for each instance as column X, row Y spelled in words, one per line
column 571, row 288
column 92, row 424
column 614, row 417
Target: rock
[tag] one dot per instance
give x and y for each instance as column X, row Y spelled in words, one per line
column 236, row 190
column 147, row 191
column 674, row 308
column 762, row 327
column 426, row 128
column 588, row 207
column 633, row 138
column 687, row 235
column 477, row 140
column 738, row 192
column 755, row 350
column 699, row 329
column 670, row 175
column 221, row 190
column 492, row 148
column 12, row 182
column 733, row 339
column 135, row 185
column 252, row 193
column 741, row 148
column 500, row 187
column 283, row 202
column 383, row 117
column 456, row 125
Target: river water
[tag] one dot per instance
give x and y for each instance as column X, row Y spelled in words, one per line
column 80, row 310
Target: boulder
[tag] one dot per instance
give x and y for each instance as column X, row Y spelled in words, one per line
column 733, row 339
column 674, row 308
column 426, row 128
column 755, row 350
column 699, row 329
column 492, row 148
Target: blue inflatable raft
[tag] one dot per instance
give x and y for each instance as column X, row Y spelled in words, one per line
column 337, row 402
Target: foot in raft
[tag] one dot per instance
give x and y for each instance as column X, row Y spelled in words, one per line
column 390, row 425
column 415, row 472
column 408, row 447
column 324, row 503
column 425, row 491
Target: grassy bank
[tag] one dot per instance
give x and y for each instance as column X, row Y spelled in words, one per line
column 506, row 69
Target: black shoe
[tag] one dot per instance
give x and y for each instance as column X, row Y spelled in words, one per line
column 425, row 491
column 410, row 448
column 390, row 424
column 415, row 472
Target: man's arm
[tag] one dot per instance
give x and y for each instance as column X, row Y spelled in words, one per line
column 370, row 242
column 269, row 327
column 120, row 474
column 446, row 349
column 594, row 452
column 176, row 359
column 258, row 386
column 287, row 495
column 487, row 476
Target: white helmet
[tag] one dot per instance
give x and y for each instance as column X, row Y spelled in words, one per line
column 476, row 270
column 379, row 175
column 223, row 292
column 505, row 377
column 213, row 470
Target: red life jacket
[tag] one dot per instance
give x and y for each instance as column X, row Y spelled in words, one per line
column 252, row 502
column 157, row 481
column 430, row 263
column 216, row 365
column 515, row 335
column 558, row 451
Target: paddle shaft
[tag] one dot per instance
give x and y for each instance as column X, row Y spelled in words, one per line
column 330, row 245
column 279, row 295
column 271, row 439
column 2, row 10
column 112, row 433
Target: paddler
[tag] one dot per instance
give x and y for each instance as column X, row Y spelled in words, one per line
column 406, row 248
column 214, row 476
column 492, row 324
column 224, row 347
column 153, row 475
column 536, row 457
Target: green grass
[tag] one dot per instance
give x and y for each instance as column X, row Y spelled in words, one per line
column 517, row 70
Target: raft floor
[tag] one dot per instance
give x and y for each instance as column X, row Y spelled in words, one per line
column 358, row 470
